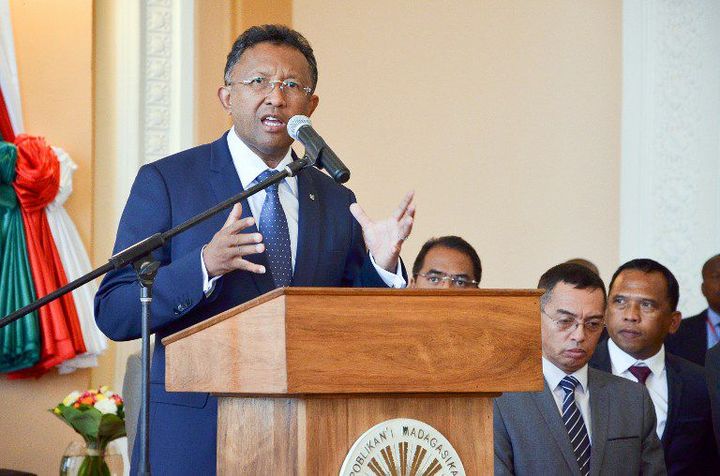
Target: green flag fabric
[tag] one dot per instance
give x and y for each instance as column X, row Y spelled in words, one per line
column 20, row 341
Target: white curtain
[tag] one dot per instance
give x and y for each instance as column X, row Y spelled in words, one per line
column 9, row 83
column 76, row 263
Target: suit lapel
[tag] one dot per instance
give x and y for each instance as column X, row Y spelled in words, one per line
column 549, row 410
column 308, row 235
column 226, row 183
column 601, row 358
column 701, row 337
column 675, row 388
column 599, row 415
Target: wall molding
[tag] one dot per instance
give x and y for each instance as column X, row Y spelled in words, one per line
column 670, row 168
column 155, row 97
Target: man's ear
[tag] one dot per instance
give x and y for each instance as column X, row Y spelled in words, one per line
column 314, row 101
column 675, row 321
column 412, row 282
column 224, row 96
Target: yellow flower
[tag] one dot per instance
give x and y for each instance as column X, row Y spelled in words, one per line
column 100, row 397
column 71, row 398
column 56, row 411
column 104, row 389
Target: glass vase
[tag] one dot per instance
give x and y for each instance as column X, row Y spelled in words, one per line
column 81, row 459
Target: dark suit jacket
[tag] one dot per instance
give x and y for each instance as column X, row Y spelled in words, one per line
column 688, row 439
column 690, row 341
column 330, row 252
column 531, row 439
column 712, row 371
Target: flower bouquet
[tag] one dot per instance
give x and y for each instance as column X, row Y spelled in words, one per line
column 99, row 417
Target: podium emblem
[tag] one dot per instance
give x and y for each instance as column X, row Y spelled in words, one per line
column 402, row 447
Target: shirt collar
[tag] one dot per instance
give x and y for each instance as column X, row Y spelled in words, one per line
column 622, row 361
column 714, row 317
column 554, row 375
column 247, row 163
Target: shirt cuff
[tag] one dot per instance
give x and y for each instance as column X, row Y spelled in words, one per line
column 395, row 280
column 209, row 284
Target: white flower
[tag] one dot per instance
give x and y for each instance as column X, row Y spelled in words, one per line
column 106, row 406
column 72, row 398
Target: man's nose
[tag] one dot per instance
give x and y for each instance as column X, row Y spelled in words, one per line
column 632, row 313
column 578, row 334
column 276, row 97
column 445, row 283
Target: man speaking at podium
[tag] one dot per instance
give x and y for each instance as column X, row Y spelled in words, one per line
column 306, row 231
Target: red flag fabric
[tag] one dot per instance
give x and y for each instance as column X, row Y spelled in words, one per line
column 36, row 185
column 6, row 129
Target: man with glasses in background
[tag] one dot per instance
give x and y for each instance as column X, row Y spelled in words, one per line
column 446, row 262
column 641, row 312
column 585, row 420
column 304, row 231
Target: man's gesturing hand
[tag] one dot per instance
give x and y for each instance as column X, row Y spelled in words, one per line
column 384, row 238
column 227, row 249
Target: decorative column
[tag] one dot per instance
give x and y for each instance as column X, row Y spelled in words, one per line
column 167, row 63
column 154, row 97
column 670, row 172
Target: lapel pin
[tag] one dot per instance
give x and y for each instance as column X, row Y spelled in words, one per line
column 312, row 196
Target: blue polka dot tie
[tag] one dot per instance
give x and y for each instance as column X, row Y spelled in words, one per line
column 575, row 425
column 274, row 228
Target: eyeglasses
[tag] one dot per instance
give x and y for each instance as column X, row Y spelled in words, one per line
column 264, row 86
column 436, row 279
column 565, row 324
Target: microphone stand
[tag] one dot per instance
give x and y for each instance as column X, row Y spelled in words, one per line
column 141, row 258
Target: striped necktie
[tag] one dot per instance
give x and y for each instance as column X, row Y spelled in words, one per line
column 276, row 236
column 574, row 424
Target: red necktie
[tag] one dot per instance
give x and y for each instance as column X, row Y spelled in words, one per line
column 640, row 373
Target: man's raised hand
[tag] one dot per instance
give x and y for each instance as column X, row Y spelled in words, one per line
column 384, row 238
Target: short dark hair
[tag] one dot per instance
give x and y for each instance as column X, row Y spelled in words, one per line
column 585, row 262
column 454, row 243
column 707, row 264
column 276, row 34
column 647, row 266
column 577, row 275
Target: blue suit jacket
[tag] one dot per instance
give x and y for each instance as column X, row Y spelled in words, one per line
column 712, row 371
column 688, row 439
column 690, row 341
column 330, row 252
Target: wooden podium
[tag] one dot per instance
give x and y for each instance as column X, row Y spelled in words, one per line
column 302, row 373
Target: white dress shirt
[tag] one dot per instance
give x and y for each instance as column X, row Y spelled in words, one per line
column 554, row 375
column 656, row 383
column 248, row 166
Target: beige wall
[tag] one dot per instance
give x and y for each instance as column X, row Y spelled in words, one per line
column 213, row 35
column 215, row 31
column 53, row 44
column 105, row 163
column 503, row 116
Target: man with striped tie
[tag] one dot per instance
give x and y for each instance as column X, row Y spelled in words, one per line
column 584, row 421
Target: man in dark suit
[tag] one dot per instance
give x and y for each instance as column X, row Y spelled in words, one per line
column 642, row 303
column 712, row 372
column 306, row 231
column 584, row 421
column 698, row 333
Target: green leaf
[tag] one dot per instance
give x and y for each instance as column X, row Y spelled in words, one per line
column 111, row 427
column 86, row 422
